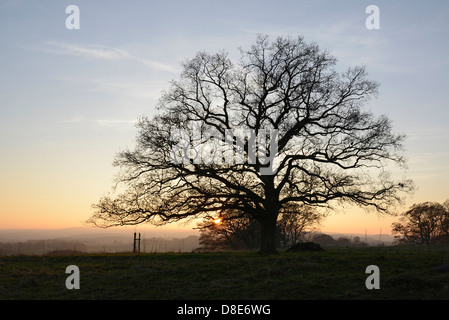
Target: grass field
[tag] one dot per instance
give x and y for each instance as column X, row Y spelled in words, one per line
column 405, row 273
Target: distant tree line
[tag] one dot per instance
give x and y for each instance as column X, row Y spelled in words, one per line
column 154, row 244
column 229, row 232
column 424, row 223
column 297, row 225
column 244, row 239
column 57, row 246
column 37, row 247
column 326, row 240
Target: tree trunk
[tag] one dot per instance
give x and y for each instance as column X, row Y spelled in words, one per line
column 270, row 217
column 268, row 234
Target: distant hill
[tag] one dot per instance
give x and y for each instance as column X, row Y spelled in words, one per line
column 86, row 232
column 13, row 242
column 94, row 240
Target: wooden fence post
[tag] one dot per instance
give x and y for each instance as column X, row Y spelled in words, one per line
column 136, row 248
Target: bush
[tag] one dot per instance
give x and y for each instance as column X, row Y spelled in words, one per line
column 305, row 246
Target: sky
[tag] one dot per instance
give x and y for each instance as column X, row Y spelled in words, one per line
column 69, row 98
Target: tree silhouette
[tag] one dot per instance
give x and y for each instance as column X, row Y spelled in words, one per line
column 316, row 145
column 424, row 223
column 294, row 221
column 232, row 233
column 244, row 233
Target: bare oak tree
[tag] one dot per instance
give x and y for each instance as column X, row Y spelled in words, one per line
column 328, row 149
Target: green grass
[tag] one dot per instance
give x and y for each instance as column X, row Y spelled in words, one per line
column 405, row 273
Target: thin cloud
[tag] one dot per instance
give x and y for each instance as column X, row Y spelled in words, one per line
column 104, row 53
column 91, row 51
column 101, row 122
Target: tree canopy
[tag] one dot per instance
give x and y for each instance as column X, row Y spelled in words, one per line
column 423, row 223
column 278, row 127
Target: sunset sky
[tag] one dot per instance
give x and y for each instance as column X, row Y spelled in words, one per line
column 69, row 99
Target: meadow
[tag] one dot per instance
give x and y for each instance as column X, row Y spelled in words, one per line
column 336, row 273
